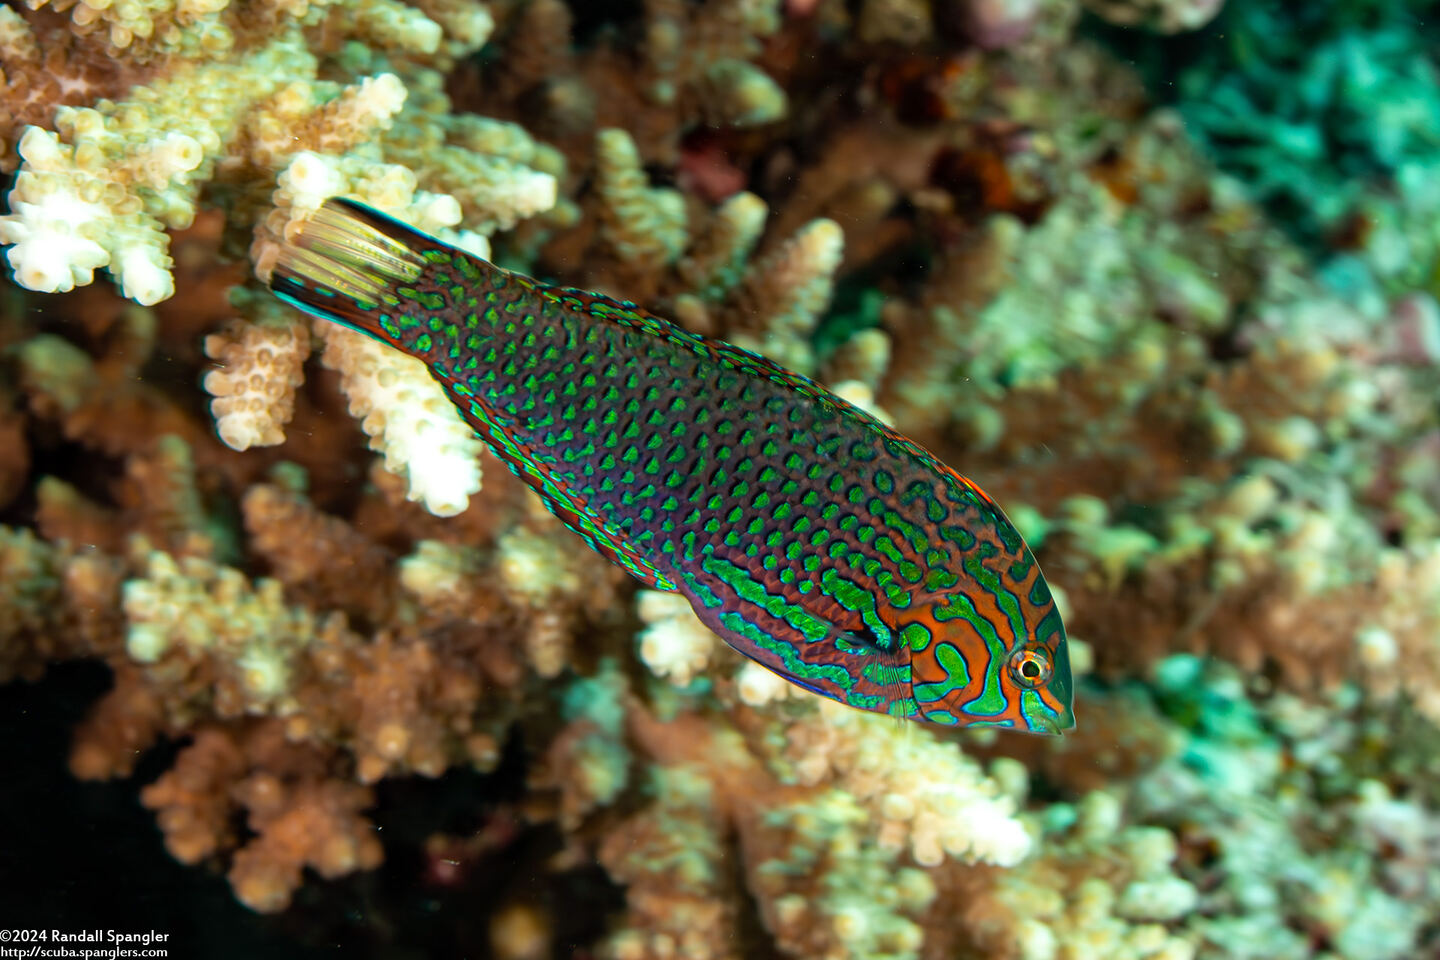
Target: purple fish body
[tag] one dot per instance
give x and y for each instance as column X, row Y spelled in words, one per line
column 811, row 537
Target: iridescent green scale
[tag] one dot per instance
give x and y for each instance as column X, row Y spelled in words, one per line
column 814, row 539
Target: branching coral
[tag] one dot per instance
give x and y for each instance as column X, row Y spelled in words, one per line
column 781, row 300
column 671, row 859
column 864, row 905
column 247, row 119
column 674, row 643
column 923, row 795
column 1214, row 445
column 56, row 605
column 201, row 641
column 408, row 418
column 259, row 367
column 298, row 816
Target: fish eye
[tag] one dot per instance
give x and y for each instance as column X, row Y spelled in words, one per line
column 1031, row 667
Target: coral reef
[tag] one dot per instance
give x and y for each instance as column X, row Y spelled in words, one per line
column 1332, row 124
column 1187, row 336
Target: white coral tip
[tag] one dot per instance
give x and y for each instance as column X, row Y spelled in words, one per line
column 142, row 275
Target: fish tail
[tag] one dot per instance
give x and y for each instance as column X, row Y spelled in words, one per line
column 351, row 264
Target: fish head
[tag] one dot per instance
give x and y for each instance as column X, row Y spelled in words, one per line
column 994, row 657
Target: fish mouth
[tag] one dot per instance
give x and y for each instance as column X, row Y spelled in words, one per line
column 1061, row 722
column 1048, row 727
column 1061, row 688
column 1047, row 711
column 1047, row 721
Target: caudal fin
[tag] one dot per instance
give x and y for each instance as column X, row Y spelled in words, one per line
column 348, row 262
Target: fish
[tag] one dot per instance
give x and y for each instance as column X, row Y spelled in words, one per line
column 811, row 537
